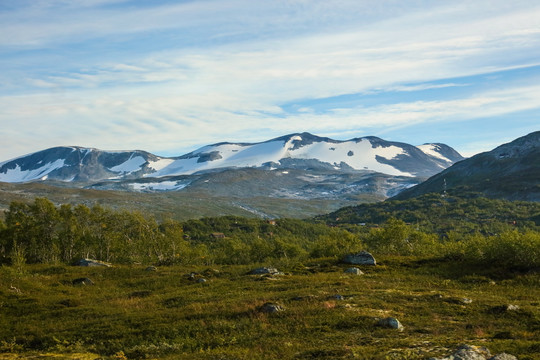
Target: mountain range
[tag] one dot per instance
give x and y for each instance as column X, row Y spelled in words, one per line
column 298, row 175
column 296, row 151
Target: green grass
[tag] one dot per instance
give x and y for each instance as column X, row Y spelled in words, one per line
column 132, row 313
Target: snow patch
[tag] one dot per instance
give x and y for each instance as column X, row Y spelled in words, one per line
column 18, row 175
column 159, row 186
column 433, row 150
column 255, row 155
column 131, row 165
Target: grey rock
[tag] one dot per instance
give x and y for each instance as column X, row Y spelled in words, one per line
column 391, row 323
column 503, row 356
column 271, row 308
column 82, row 281
column 354, row 271
column 92, row 262
column 504, row 308
column 468, row 352
column 361, row 258
column 201, row 280
column 265, row 270
column 151, row 268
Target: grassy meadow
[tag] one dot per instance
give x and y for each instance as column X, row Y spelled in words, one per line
column 132, row 313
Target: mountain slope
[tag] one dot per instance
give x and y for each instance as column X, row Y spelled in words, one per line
column 75, row 164
column 510, row 171
column 296, row 151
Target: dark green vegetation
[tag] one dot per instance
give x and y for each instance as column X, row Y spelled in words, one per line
column 433, row 253
column 445, row 215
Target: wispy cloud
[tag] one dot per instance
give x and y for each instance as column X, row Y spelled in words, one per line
column 172, row 75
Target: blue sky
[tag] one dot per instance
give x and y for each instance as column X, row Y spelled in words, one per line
column 171, row 76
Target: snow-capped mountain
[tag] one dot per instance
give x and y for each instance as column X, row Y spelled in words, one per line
column 75, row 164
column 296, row 151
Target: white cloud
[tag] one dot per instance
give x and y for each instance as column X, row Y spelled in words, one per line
column 218, row 68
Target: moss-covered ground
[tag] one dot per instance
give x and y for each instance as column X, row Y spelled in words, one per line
column 132, row 313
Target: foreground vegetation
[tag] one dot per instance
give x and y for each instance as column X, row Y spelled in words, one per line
column 446, row 287
column 133, row 313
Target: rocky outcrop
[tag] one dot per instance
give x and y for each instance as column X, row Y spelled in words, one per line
column 92, row 262
column 265, row 270
column 472, row 352
column 391, row 323
column 353, row 271
column 271, row 308
column 361, row 258
column 82, row 281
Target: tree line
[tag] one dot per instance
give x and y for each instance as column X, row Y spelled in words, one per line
column 41, row 232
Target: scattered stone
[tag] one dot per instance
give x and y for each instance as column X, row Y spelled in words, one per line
column 92, row 262
column 391, row 323
column 354, row 271
column 503, row 356
column 265, row 270
column 211, row 272
column 151, row 268
column 82, row 281
column 504, row 308
column 361, row 258
column 193, row 276
column 472, row 352
column 271, row 308
column 337, row 297
column 201, row 280
column 459, row 301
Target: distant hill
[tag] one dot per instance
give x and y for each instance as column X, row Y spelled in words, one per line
column 510, row 171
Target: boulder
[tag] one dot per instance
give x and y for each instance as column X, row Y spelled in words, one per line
column 503, row 356
column 92, row 262
column 354, row 271
column 504, row 308
column 271, row 308
column 82, row 281
column 472, row 352
column 361, row 258
column 391, row 323
column 265, row 270
column 151, row 268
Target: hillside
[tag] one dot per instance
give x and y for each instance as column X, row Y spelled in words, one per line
column 443, row 214
column 510, row 171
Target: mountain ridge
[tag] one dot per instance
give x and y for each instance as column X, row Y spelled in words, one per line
column 297, row 150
